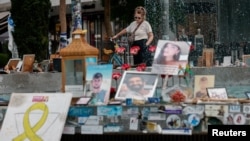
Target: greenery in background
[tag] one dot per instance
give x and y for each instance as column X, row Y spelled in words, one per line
column 4, row 55
column 31, row 19
column 124, row 11
column 177, row 15
column 155, row 18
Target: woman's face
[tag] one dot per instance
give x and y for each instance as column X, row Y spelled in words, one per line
column 138, row 17
column 170, row 50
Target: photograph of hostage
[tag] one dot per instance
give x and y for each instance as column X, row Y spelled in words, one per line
column 137, row 86
column 98, row 94
column 169, row 56
column 202, row 82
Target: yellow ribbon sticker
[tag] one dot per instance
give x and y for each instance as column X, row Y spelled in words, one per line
column 30, row 132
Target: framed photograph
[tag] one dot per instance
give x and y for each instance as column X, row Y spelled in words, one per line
column 246, row 59
column 248, row 94
column 137, row 85
column 98, row 83
column 169, row 55
column 217, row 93
column 201, row 83
column 12, row 63
column 28, row 61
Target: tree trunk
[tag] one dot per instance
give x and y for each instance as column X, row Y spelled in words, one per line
column 62, row 16
column 107, row 18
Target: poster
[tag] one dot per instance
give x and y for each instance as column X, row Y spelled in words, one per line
column 35, row 116
column 170, row 56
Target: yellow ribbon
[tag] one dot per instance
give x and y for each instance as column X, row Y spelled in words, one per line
column 30, row 132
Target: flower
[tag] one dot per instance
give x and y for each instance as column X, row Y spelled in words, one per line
column 112, row 92
column 116, row 75
column 141, row 67
column 120, row 50
column 177, row 96
column 191, row 47
column 152, row 48
column 125, row 66
column 134, row 50
column 163, row 76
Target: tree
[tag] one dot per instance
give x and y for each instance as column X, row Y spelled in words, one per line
column 31, row 19
column 63, row 23
column 107, row 18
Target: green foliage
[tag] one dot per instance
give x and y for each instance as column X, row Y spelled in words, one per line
column 31, row 19
column 4, row 59
column 176, row 14
column 125, row 12
column 155, row 18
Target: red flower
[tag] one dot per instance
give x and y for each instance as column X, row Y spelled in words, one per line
column 164, row 75
column 191, row 47
column 112, row 90
column 152, row 48
column 134, row 50
column 141, row 67
column 178, row 96
column 125, row 66
column 116, row 75
column 120, row 50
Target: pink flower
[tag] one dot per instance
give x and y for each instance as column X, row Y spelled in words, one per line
column 141, row 67
column 125, row 66
column 116, row 75
column 134, row 50
column 120, row 50
column 152, row 48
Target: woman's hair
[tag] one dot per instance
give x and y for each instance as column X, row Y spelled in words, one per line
column 161, row 59
column 141, row 10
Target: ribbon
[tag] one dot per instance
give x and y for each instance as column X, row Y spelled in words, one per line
column 30, row 132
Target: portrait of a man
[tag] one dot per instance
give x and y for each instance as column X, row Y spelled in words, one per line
column 137, row 85
column 202, row 82
column 99, row 81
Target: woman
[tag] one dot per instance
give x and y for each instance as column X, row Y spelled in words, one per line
column 143, row 36
column 169, row 54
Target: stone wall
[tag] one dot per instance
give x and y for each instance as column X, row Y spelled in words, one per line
column 235, row 79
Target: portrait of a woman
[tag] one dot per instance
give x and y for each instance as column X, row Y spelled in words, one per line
column 169, row 54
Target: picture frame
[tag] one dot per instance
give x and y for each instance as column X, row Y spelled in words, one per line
column 13, row 63
column 201, row 82
column 246, row 59
column 179, row 56
column 28, row 61
column 247, row 93
column 128, row 90
column 217, row 93
column 55, row 104
column 98, row 83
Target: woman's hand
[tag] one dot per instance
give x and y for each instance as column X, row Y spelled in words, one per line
column 114, row 37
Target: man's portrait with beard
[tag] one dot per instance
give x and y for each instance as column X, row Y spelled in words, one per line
column 138, row 86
